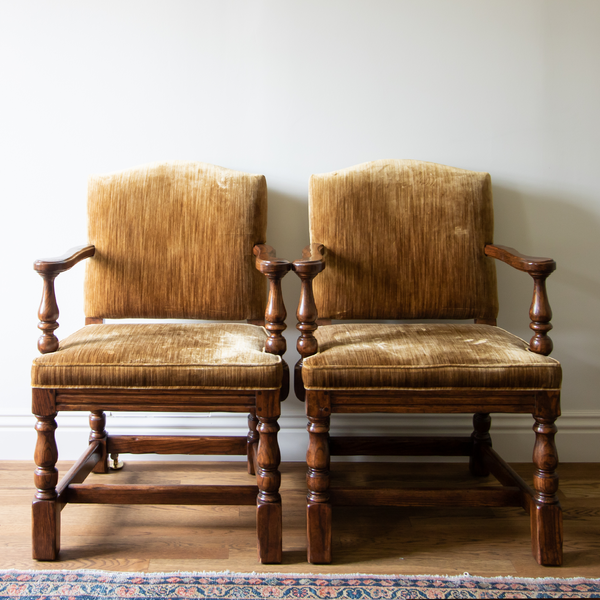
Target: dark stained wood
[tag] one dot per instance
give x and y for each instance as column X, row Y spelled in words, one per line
column 540, row 312
column 385, row 540
column 257, row 322
column 80, row 470
column 162, row 494
column 458, row 396
column 155, row 400
column 252, row 441
column 45, row 508
column 94, row 320
column 48, row 312
column 318, row 501
column 504, row 496
column 480, row 437
column 399, row 446
column 506, row 475
column 46, row 529
column 177, row 444
column 65, row 262
column 275, row 269
column 512, row 257
column 268, row 504
column 46, row 455
column 311, row 264
column 43, row 401
column 99, row 434
column 485, row 322
column 546, row 513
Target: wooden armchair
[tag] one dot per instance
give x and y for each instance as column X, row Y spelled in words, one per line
column 410, row 240
column 167, row 241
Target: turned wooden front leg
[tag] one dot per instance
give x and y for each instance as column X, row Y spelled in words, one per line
column 252, row 441
column 268, row 479
column 45, row 509
column 98, row 433
column 480, row 437
column 546, row 512
column 318, row 505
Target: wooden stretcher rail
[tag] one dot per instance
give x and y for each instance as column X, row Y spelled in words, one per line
column 489, row 497
column 400, row 446
column 162, row 494
column 181, row 444
column 80, row 470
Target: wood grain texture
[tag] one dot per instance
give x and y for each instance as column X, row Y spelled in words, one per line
column 161, row 494
column 540, row 312
column 399, row 446
column 177, row 444
column 274, row 269
column 481, row 497
column 65, row 262
column 530, row 264
column 410, row 541
column 48, row 313
column 311, row 264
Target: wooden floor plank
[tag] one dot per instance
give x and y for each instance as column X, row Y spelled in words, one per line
column 406, row 540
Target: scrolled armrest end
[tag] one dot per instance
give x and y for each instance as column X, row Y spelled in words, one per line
column 63, row 263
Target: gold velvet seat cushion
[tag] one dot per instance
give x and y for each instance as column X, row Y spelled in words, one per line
column 194, row 355
column 424, row 356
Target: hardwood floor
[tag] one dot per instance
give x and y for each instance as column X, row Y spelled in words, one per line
column 367, row 540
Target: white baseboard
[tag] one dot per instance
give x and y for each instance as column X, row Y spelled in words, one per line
column 578, row 439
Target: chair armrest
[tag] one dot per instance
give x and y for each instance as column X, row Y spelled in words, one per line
column 530, row 264
column 267, row 261
column 540, row 312
column 307, row 268
column 313, row 259
column 275, row 270
column 48, row 269
column 63, row 263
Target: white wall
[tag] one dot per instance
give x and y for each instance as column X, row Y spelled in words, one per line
column 287, row 89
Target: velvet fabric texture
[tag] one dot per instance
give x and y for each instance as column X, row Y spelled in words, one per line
column 162, row 355
column 404, row 239
column 425, row 356
column 174, row 240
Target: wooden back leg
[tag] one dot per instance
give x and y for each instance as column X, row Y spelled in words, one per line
column 252, row 441
column 480, row 437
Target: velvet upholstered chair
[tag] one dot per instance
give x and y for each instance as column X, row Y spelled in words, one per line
column 413, row 241
column 174, row 240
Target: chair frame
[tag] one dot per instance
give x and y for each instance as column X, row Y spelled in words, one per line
column 541, row 501
column 260, row 445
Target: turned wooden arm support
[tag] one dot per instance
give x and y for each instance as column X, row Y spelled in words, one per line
column 48, row 269
column 275, row 270
column 540, row 312
column 307, row 268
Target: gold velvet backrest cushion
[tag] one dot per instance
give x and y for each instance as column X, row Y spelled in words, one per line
column 174, row 240
column 404, row 239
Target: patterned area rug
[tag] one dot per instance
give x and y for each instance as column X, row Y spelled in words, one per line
column 81, row 585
